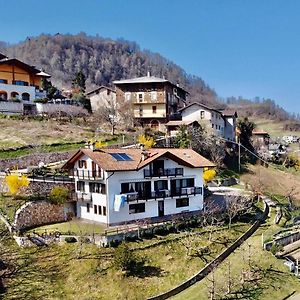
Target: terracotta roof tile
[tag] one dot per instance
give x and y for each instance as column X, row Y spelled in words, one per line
column 106, row 161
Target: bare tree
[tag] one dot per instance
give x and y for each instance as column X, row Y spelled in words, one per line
column 108, row 113
column 235, row 205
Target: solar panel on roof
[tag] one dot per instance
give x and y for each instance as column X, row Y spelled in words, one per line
column 121, row 156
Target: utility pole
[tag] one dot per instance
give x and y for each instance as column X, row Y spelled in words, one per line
column 239, row 156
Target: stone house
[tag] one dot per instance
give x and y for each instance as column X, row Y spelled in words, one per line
column 154, row 100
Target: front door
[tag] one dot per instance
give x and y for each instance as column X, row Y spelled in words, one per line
column 161, row 208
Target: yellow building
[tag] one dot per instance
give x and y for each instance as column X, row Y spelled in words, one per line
column 20, row 81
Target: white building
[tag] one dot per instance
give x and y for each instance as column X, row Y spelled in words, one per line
column 223, row 123
column 123, row 185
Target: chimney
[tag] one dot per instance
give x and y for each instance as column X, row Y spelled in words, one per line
column 90, row 145
column 145, row 155
column 148, row 74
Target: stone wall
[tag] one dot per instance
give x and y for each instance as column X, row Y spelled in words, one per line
column 38, row 213
column 283, row 241
column 44, row 188
column 39, row 187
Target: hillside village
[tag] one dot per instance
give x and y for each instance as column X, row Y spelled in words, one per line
column 157, row 189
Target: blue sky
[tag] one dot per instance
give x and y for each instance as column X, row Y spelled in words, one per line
column 239, row 47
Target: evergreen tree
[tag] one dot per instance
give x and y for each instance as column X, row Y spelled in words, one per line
column 79, row 82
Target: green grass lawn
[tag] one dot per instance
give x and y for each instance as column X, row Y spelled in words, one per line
column 274, row 128
column 72, row 271
column 9, row 206
column 268, row 279
column 75, row 226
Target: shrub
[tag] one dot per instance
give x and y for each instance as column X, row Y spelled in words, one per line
column 70, row 239
column 147, row 141
column 125, row 260
column 161, row 230
column 58, row 195
column 114, row 243
column 147, row 234
column 171, row 228
column 209, row 175
column 276, row 248
column 15, row 183
column 84, row 240
column 180, row 226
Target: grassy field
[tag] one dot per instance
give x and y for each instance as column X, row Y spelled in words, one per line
column 274, row 128
column 75, row 226
column 72, row 271
column 19, row 133
column 265, row 277
column 9, row 206
column 273, row 181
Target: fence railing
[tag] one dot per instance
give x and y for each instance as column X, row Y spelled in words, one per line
column 51, row 178
column 163, row 172
column 86, row 174
column 161, row 194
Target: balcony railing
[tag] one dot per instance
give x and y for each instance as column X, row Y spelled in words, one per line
column 135, row 196
column 163, row 172
column 82, row 196
column 186, row 191
column 86, row 174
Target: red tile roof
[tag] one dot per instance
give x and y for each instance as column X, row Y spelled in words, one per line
column 107, row 162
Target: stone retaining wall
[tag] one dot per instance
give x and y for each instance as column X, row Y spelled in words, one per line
column 38, row 213
column 44, row 188
column 283, row 241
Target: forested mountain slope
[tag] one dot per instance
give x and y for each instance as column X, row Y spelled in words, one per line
column 102, row 61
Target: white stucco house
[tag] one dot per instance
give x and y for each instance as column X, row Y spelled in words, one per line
column 222, row 123
column 114, row 186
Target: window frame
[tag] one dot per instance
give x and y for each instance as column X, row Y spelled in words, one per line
column 137, row 208
column 80, row 186
column 182, row 202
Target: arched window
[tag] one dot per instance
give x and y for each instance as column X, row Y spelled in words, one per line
column 14, row 95
column 154, row 124
column 25, row 97
column 3, row 95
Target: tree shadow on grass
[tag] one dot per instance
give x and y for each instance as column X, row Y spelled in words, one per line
column 141, row 270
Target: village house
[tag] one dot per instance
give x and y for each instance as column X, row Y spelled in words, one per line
column 114, row 186
column 155, row 100
column 222, row 123
column 101, row 96
column 20, row 85
column 260, row 139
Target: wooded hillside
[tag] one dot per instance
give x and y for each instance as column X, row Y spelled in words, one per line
column 103, row 60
